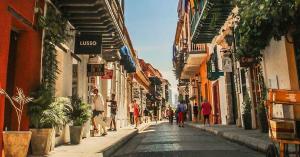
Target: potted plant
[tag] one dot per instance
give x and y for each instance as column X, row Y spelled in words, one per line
column 45, row 113
column 16, row 143
column 247, row 113
column 79, row 114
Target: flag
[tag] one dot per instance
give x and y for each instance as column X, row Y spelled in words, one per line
column 186, row 5
column 192, row 2
column 179, row 6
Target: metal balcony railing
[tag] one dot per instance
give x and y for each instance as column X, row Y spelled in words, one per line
column 209, row 17
column 197, row 16
column 197, row 48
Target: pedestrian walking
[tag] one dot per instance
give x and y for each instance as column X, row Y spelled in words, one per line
column 195, row 111
column 146, row 115
column 181, row 110
column 131, row 113
column 171, row 115
column 176, row 116
column 98, row 110
column 113, row 112
column 155, row 114
column 206, row 111
column 136, row 113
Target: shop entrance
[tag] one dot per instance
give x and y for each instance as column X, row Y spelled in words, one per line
column 10, row 80
column 256, row 92
column 216, row 99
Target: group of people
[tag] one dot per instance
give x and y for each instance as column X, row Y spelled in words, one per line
column 98, row 111
column 181, row 110
column 98, row 118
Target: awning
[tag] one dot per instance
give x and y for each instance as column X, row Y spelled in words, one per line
column 103, row 17
column 127, row 60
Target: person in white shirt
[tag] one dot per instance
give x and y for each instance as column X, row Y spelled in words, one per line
column 98, row 109
column 131, row 113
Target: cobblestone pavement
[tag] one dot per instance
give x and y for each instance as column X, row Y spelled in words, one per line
column 165, row 140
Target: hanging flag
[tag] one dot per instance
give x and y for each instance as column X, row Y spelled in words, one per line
column 179, row 6
column 186, row 5
column 192, row 2
column 192, row 6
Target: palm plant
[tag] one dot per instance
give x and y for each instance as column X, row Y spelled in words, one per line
column 79, row 113
column 45, row 111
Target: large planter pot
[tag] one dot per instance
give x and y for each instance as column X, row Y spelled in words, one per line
column 264, row 127
column 41, row 141
column 16, row 143
column 76, row 133
column 247, row 122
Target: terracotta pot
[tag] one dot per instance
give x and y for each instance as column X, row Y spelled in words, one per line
column 16, row 143
column 76, row 133
column 41, row 141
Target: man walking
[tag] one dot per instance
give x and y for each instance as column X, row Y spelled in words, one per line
column 98, row 109
column 146, row 114
column 171, row 114
column 113, row 112
column 206, row 111
column 196, row 112
column 181, row 110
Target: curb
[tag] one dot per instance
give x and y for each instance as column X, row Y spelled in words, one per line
column 250, row 142
column 107, row 152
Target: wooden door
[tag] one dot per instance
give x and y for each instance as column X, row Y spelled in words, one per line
column 216, row 101
column 10, row 80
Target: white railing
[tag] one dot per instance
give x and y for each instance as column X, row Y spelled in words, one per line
column 198, row 48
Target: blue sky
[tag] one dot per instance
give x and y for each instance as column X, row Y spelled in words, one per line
column 152, row 26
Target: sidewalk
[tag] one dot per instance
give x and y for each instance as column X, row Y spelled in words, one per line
column 98, row 146
column 253, row 139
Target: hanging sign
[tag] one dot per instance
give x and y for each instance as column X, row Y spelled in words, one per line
column 108, row 74
column 88, row 44
column 95, row 70
column 213, row 72
column 247, row 61
column 136, row 91
column 227, row 64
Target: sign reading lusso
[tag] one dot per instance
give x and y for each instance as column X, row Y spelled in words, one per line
column 88, row 44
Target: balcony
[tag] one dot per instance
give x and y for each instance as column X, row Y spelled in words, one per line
column 193, row 60
column 207, row 22
column 103, row 17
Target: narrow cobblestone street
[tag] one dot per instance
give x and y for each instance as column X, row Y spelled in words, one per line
column 167, row 140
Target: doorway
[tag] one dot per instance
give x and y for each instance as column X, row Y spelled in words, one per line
column 10, row 79
column 297, row 55
column 216, row 100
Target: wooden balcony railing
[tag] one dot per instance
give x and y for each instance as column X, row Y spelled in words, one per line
column 117, row 12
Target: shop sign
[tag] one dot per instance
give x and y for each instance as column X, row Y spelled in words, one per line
column 213, row 72
column 95, row 70
column 88, row 44
column 227, row 64
column 247, row 61
column 135, row 91
column 108, row 74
